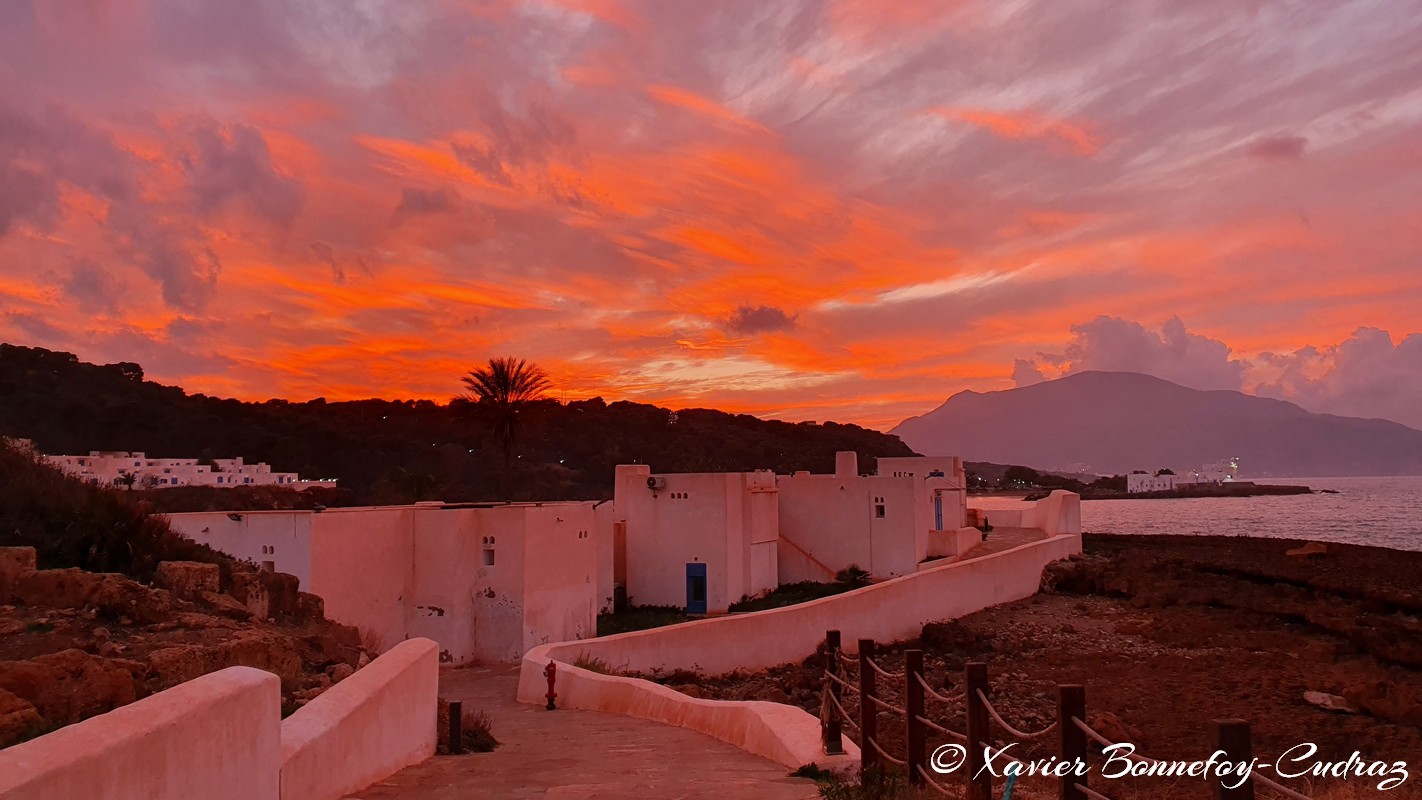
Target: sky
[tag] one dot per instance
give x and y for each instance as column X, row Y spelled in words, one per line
column 802, row 209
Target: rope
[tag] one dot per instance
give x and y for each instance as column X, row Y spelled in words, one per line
column 1284, row 790
column 848, row 659
column 923, row 773
column 887, row 706
column 841, row 682
column 935, row 695
column 930, row 723
column 1089, row 793
column 882, row 672
column 1104, row 742
column 1011, row 731
column 844, row 716
column 895, row 761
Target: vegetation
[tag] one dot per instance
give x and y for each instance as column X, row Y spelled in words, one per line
column 593, row 664
column 871, row 784
column 382, row 451
column 503, row 388
column 639, row 618
column 476, row 730
column 789, row 594
column 71, row 524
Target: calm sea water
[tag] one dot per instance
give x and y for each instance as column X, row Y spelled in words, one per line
column 1384, row 512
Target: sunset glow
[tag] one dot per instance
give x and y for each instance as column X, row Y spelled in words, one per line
column 812, row 209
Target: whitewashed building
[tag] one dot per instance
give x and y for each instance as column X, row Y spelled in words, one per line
column 702, row 541
column 485, row 581
column 114, row 468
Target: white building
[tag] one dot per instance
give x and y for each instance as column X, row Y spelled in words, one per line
column 1138, row 482
column 487, row 582
column 882, row 523
column 702, row 541
column 113, row 468
column 695, row 540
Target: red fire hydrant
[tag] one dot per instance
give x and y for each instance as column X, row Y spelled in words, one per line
column 551, row 673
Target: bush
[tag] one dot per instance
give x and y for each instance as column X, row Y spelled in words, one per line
column 476, row 730
column 73, row 524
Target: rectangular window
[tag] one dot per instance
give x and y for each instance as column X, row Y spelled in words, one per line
column 488, row 558
column 268, row 566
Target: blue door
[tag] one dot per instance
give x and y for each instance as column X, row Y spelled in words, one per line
column 696, row 588
column 937, row 511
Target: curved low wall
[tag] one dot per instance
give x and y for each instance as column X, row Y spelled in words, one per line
column 370, row 725
column 217, row 737
column 894, row 609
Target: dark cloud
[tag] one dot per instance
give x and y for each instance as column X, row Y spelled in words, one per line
column 1278, row 148
column 231, row 164
column 91, row 287
column 418, row 202
column 759, row 319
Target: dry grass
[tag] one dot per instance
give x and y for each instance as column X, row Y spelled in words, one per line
column 371, row 641
column 476, row 730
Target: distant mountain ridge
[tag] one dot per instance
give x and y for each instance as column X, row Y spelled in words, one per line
column 1119, row 421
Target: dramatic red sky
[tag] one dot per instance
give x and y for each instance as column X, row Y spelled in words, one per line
column 811, row 209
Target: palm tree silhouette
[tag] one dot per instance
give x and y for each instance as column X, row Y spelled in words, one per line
column 503, row 387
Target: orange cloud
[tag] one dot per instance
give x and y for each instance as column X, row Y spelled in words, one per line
column 1027, row 125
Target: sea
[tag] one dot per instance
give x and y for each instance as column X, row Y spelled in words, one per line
column 1382, row 512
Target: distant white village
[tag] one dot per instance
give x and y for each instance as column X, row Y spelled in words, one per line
column 489, row 581
column 1222, row 471
column 119, row 468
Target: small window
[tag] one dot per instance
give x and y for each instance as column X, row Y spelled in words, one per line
column 268, row 566
column 489, row 557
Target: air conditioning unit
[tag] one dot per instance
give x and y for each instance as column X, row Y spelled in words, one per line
column 656, row 484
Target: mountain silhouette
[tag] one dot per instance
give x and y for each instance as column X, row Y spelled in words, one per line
column 1115, row 422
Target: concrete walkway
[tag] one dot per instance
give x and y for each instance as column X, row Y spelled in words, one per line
column 1000, row 539
column 582, row 754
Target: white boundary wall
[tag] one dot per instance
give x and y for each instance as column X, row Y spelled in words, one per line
column 221, row 737
column 888, row 611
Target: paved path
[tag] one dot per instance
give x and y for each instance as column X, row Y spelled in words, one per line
column 582, row 754
column 1000, row 539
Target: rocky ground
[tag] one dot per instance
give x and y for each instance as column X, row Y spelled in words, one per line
column 74, row 643
column 1168, row 633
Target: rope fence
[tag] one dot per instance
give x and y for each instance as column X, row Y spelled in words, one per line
column 979, row 716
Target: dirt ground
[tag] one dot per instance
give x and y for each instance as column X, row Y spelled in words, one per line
column 1168, row 633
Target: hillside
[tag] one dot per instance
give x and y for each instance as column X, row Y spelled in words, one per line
column 102, row 604
column 1117, row 421
column 399, row 450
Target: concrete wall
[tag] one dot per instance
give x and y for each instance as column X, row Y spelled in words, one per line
column 835, row 520
column 605, row 514
column 362, row 565
column 281, row 537
column 216, row 737
column 560, row 600
column 1059, row 512
column 422, row 571
column 365, row 728
column 714, row 518
column 895, row 609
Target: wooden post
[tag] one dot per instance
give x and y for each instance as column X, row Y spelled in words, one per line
column 456, row 732
column 834, row 731
column 1232, row 737
column 1071, row 702
column 868, row 710
column 915, row 735
column 979, row 779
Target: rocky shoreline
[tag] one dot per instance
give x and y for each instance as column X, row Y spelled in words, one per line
column 1323, row 645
